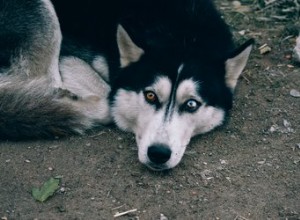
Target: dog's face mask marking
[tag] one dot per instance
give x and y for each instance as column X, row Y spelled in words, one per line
column 164, row 126
column 167, row 112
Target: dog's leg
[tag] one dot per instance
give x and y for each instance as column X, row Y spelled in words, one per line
column 88, row 90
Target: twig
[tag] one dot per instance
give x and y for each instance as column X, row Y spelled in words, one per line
column 119, row 214
column 286, row 38
column 99, row 134
column 239, row 217
column 118, row 207
column 244, row 77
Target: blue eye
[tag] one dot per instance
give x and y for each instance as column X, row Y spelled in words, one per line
column 191, row 105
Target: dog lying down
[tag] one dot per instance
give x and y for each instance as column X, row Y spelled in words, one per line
column 163, row 70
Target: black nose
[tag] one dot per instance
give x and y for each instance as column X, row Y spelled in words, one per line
column 159, row 154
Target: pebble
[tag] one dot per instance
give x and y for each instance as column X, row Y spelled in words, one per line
column 236, row 4
column 262, row 162
column 264, row 49
column 242, row 32
column 286, row 123
column 295, row 93
column 163, row 217
column 223, row 161
column 273, row 128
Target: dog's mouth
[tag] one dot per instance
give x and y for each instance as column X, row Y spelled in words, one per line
column 160, row 157
column 157, row 167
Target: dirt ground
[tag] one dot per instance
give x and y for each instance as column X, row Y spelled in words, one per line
column 248, row 169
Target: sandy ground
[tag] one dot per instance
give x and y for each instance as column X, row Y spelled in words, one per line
column 248, row 169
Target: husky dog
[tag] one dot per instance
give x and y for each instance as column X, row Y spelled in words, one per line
column 165, row 70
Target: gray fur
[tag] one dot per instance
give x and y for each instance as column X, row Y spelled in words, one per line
column 34, row 100
column 31, row 109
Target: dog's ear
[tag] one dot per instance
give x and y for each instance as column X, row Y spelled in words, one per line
column 129, row 51
column 236, row 63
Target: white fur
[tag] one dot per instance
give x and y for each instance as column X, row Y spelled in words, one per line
column 162, row 88
column 100, row 65
column 53, row 70
column 82, row 80
column 187, row 89
column 234, row 67
column 129, row 51
column 131, row 112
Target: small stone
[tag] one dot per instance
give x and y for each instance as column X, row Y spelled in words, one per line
column 194, row 193
column 264, row 49
column 7, row 161
column 236, row 4
column 288, row 56
column 223, row 161
column 27, row 161
column 242, row 32
column 163, row 217
column 61, row 209
column 295, row 93
column 262, row 162
column 50, row 168
column 286, row 123
column 273, row 128
column 53, row 147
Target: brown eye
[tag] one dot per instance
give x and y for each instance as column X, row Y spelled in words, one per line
column 150, row 96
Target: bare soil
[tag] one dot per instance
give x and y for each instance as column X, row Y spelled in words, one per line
column 248, row 169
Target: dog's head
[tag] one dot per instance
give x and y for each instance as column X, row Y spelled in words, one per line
column 166, row 105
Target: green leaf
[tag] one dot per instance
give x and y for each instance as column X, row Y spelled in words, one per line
column 47, row 190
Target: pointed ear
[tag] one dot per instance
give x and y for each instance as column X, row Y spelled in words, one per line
column 129, row 51
column 236, row 63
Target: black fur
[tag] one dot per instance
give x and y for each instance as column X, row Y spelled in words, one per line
column 171, row 32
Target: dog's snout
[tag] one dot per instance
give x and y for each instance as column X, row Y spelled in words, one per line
column 159, row 154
